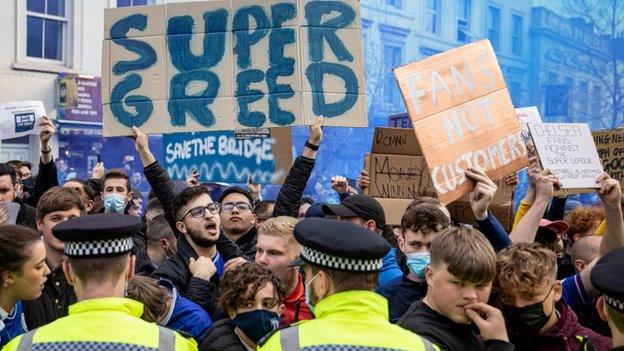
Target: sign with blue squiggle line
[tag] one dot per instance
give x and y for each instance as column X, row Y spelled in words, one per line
column 222, row 157
column 235, row 64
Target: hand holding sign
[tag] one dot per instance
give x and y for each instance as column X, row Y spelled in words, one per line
column 483, row 194
column 546, row 184
column 364, row 180
column 610, row 191
column 316, row 132
column 141, row 144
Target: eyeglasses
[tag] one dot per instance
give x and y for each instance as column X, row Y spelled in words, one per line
column 240, row 206
column 199, row 211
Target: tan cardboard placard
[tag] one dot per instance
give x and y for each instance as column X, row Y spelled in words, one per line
column 217, row 65
column 463, row 116
column 393, row 209
column 501, row 206
column 395, row 141
column 610, row 145
column 398, row 176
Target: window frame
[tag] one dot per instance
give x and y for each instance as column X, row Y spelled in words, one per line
column 70, row 46
column 401, row 47
column 515, row 14
column 397, row 4
column 491, row 5
column 438, row 20
column 466, row 26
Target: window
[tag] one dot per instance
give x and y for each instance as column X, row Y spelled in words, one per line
column 596, row 103
column 553, row 78
column 126, row 3
column 433, row 16
column 582, row 97
column 395, row 3
column 464, row 11
column 493, row 26
column 516, row 35
column 393, row 57
column 46, row 29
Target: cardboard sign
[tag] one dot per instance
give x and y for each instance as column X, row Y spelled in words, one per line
column 568, row 150
column 235, row 64
column 394, row 209
column 221, row 157
column 401, row 120
column 18, row 119
column 463, row 117
column 525, row 116
column 501, row 207
column 398, row 176
column 396, row 141
column 610, row 145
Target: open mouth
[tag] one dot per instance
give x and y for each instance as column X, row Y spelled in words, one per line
column 212, row 227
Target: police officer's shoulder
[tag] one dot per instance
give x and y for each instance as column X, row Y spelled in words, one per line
column 269, row 335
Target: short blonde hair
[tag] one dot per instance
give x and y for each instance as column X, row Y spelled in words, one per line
column 282, row 226
column 523, row 269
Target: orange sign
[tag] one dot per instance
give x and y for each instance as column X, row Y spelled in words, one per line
column 463, row 117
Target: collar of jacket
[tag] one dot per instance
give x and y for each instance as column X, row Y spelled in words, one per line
column 247, row 238
column 108, row 304
column 357, row 304
column 185, row 250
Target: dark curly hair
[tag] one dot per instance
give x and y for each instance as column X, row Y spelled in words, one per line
column 425, row 217
column 240, row 285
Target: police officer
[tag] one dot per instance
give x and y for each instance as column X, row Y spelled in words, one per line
column 99, row 265
column 607, row 278
column 342, row 261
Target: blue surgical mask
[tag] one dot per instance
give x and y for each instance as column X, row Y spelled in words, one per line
column 308, row 295
column 417, row 262
column 257, row 324
column 114, row 203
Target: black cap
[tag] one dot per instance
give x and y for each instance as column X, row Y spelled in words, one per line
column 358, row 206
column 98, row 235
column 339, row 245
column 604, row 278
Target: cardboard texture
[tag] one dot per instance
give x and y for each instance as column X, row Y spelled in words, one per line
column 394, row 209
column 463, row 116
column 395, row 141
column 503, row 211
column 610, row 146
column 568, row 150
column 398, row 176
column 269, row 73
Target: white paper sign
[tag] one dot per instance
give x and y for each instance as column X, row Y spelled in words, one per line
column 525, row 116
column 568, row 150
column 18, row 119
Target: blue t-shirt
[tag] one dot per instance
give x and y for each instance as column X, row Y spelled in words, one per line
column 186, row 316
column 218, row 262
column 401, row 293
column 13, row 325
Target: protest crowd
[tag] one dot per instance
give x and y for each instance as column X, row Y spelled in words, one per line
column 86, row 265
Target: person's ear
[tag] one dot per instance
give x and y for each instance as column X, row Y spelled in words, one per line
column 281, row 309
column 322, row 284
column 429, row 275
column 181, row 227
column 602, row 309
column 40, row 225
column 401, row 243
column 7, row 279
column 557, row 290
column 89, row 205
column 162, row 243
column 131, row 265
column 576, row 237
column 129, row 197
column 580, row 265
column 69, row 274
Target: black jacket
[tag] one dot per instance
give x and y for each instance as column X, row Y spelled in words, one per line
column 176, row 270
column 289, row 197
column 221, row 337
column 55, row 298
column 248, row 242
column 45, row 180
column 445, row 333
column 143, row 265
column 27, row 215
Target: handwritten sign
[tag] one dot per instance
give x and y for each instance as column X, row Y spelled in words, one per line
column 398, row 176
column 236, row 64
column 610, row 145
column 463, row 117
column 568, row 150
column 525, row 116
column 18, row 119
column 221, row 157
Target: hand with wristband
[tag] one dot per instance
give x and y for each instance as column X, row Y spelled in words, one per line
column 314, row 141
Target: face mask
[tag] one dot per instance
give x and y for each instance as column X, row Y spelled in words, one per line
column 530, row 318
column 29, row 184
column 308, row 295
column 417, row 262
column 257, row 323
column 114, row 203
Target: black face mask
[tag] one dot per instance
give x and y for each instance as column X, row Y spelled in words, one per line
column 28, row 184
column 529, row 318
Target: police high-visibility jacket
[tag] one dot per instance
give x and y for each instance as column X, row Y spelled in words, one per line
column 351, row 320
column 102, row 324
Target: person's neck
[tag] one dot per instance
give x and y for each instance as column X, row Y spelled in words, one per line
column 99, row 291
column 54, row 258
column 252, row 345
column 412, row 277
column 618, row 338
column 427, row 300
column 554, row 318
column 7, row 301
column 293, row 283
column 236, row 236
column 208, row 252
column 156, row 254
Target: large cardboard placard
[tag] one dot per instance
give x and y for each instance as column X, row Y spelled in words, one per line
column 222, row 157
column 568, row 150
column 235, row 64
column 463, row 117
column 610, row 145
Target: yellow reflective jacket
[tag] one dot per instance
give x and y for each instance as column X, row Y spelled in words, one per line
column 351, row 320
column 107, row 323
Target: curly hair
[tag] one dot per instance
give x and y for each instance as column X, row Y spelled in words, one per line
column 584, row 219
column 425, row 217
column 240, row 285
column 523, row 269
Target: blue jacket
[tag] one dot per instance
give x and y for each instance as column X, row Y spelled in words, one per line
column 186, row 316
column 13, row 325
column 390, row 269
